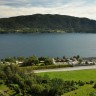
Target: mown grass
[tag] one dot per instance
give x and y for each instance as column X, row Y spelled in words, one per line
column 82, row 91
column 83, row 75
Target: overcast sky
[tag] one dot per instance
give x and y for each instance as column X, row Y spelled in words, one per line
column 79, row 8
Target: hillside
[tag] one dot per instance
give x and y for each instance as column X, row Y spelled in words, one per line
column 47, row 23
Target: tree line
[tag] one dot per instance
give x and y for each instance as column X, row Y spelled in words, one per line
column 29, row 61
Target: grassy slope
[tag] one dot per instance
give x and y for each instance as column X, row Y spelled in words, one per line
column 82, row 91
column 84, row 75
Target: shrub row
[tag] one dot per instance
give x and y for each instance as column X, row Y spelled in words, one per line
column 50, row 67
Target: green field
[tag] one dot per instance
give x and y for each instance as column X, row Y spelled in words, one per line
column 85, row 90
column 83, row 75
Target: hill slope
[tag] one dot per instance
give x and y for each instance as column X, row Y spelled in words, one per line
column 47, row 23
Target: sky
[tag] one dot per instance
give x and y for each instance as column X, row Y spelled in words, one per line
column 78, row 8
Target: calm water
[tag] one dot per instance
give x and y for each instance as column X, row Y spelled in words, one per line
column 67, row 44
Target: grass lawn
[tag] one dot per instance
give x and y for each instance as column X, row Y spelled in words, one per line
column 83, row 75
column 82, row 91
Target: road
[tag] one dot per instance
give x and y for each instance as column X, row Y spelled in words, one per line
column 66, row 69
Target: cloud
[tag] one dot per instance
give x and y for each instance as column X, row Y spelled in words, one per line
column 13, row 3
column 79, row 8
column 34, row 3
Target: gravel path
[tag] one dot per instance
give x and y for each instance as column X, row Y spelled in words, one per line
column 66, row 69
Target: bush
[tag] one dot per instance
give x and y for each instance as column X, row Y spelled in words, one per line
column 1, row 82
column 37, row 89
column 94, row 86
column 15, row 87
column 80, row 83
column 91, row 82
column 92, row 93
column 50, row 67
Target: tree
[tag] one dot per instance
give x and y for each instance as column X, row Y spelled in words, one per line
column 48, row 61
column 86, row 62
column 64, row 57
column 31, row 61
column 9, row 59
column 80, row 60
column 42, row 58
column 21, row 58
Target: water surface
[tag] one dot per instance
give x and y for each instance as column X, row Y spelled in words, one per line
column 45, row 44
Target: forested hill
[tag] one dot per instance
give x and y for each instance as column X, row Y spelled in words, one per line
column 47, row 23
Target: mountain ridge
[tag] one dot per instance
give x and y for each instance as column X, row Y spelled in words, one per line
column 47, row 23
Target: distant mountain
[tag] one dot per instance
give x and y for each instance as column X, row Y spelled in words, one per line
column 47, row 23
